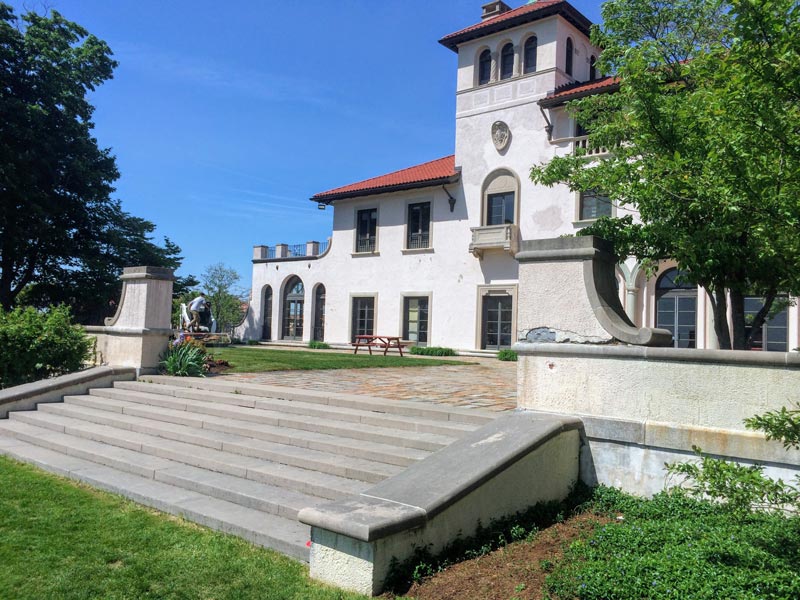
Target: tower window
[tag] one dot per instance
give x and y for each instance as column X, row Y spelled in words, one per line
column 485, row 67
column 568, row 63
column 507, row 61
column 592, row 68
column 530, row 54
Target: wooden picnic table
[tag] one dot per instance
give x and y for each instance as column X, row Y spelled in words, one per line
column 378, row 341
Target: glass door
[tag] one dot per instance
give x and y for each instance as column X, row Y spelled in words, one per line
column 497, row 322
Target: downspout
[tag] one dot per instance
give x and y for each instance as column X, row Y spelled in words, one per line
column 549, row 127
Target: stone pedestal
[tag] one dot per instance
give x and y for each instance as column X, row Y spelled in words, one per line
column 137, row 334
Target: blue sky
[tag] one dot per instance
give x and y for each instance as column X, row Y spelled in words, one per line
column 225, row 117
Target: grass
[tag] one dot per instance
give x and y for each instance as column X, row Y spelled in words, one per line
column 59, row 539
column 251, row 360
column 673, row 546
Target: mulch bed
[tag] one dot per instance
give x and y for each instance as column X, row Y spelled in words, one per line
column 516, row 571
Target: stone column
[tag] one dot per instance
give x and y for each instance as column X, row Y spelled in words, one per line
column 312, row 248
column 137, row 334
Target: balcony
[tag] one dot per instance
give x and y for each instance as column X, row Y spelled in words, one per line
column 581, row 146
column 309, row 250
column 494, row 237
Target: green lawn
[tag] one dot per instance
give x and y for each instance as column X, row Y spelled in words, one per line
column 62, row 540
column 252, row 360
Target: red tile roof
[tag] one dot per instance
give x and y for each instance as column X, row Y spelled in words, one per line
column 573, row 91
column 518, row 16
column 442, row 170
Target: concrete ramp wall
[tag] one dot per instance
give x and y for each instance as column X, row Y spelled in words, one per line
column 507, row 466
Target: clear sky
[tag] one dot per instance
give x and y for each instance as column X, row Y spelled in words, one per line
column 226, row 117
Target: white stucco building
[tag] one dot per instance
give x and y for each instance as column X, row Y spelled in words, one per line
column 427, row 252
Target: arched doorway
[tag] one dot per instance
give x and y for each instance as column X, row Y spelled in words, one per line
column 266, row 315
column 293, row 299
column 319, row 313
column 676, row 308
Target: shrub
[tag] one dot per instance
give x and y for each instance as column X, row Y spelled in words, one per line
column 185, row 357
column 507, row 355
column 253, row 342
column 316, row 345
column 37, row 345
column 432, row 351
column 745, row 488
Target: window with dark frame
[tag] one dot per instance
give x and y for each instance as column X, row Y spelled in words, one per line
column 531, row 46
column 592, row 68
column 568, row 62
column 500, row 208
column 507, row 61
column 415, row 319
column 419, row 225
column 773, row 336
column 485, row 67
column 594, row 205
column 366, row 230
column 363, row 316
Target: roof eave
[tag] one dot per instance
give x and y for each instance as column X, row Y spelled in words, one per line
column 552, row 102
column 329, row 198
column 566, row 10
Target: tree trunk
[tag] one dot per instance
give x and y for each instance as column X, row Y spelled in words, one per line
column 719, row 306
column 738, row 320
column 760, row 318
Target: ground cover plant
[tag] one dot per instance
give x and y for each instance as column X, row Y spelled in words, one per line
column 432, row 351
column 62, row 540
column 507, row 355
column 674, row 546
column 40, row 344
column 619, row 547
column 250, row 360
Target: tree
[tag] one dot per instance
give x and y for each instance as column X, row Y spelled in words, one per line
column 93, row 280
column 219, row 282
column 62, row 237
column 705, row 131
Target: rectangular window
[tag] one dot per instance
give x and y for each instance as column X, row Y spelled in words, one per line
column 366, row 230
column 415, row 320
column 363, row 317
column 774, row 333
column 500, row 208
column 419, row 225
column 594, row 205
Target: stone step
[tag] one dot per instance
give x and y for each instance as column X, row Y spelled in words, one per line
column 156, row 453
column 72, row 417
column 381, row 405
column 368, row 416
column 105, row 412
column 273, row 531
column 412, row 439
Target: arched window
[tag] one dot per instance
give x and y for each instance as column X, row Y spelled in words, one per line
column 529, row 54
column 293, row 300
column 507, row 61
column 485, row 67
column 319, row 313
column 592, row 68
column 500, row 198
column 266, row 315
column 568, row 62
column 676, row 307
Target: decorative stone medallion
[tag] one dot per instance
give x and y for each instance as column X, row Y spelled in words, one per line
column 501, row 135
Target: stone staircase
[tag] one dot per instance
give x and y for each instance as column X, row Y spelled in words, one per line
column 240, row 458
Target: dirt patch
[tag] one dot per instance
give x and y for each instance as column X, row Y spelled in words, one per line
column 516, row 571
column 216, row 367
